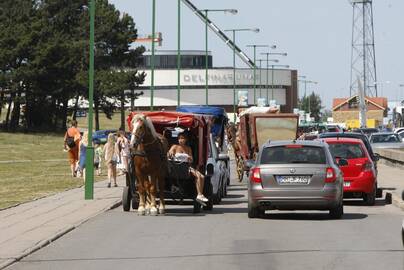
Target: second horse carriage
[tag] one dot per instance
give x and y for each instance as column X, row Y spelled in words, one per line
column 175, row 181
column 256, row 128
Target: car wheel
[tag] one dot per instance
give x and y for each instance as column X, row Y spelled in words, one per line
column 197, row 207
column 370, row 198
column 209, row 206
column 254, row 212
column 337, row 212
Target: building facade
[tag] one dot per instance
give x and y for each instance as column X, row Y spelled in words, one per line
column 279, row 85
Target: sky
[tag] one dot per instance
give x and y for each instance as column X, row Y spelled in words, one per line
column 316, row 34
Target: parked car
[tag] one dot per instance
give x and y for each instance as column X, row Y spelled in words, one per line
column 101, row 136
column 360, row 178
column 375, row 157
column 366, row 131
column 384, row 140
column 295, row 175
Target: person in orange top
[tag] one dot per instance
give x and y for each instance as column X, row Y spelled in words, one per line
column 72, row 135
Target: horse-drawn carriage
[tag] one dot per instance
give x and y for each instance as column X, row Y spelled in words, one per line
column 255, row 129
column 175, row 180
column 218, row 120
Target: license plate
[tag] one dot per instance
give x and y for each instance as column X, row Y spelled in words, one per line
column 300, row 180
column 347, row 184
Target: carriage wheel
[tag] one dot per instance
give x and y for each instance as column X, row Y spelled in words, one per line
column 126, row 198
column 135, row 201
column 240, row 169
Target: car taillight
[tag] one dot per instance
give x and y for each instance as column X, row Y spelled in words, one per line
column 330, row 176
column 367, row 166
column 256, row 175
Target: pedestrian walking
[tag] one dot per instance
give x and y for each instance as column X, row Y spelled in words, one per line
column 71, row 144
column 124, row 146
column 97, row 158
column 111, row 154
column 82, row 154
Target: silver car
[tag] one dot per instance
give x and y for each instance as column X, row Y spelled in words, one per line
column 384, row 140
column 295, row 175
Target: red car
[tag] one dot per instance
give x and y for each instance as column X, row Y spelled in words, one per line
column 359, row 175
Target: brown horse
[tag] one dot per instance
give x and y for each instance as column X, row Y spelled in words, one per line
column 150, row 164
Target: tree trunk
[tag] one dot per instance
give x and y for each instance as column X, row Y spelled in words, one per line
column 96, row 113
column 15, row 116
column 122, row 111
column 10, row 101
column 1, row 101
column 64, row 113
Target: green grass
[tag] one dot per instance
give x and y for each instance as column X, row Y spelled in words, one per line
column 43, row 168
column 105, row 123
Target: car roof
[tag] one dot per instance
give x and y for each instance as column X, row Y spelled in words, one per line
column 343, row 140
column 297, row 142
column 342, row 134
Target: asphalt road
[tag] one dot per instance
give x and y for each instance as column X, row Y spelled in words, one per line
column 366, row 238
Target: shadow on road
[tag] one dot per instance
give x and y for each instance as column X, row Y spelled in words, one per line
column 360, row 202
column 312, row 216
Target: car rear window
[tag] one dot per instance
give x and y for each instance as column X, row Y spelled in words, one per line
column 346, row 150
column 385, row 138
column 286, row 154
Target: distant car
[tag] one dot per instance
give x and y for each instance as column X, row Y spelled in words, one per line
column 366, row 131
column 101, row 136
column 359, row 174
column 333, row 128
column 383, row 140
column 295, row 175
column 363, row 137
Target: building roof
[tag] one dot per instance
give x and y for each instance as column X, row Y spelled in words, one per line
column 380, row 102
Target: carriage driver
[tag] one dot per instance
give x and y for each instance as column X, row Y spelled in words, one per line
column 183, row 152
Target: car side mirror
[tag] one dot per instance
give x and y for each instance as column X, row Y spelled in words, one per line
column 342, row 162
column 223, row 157
column 376, row 157
column 248, row 164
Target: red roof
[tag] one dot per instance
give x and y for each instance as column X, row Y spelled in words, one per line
column 379, row 101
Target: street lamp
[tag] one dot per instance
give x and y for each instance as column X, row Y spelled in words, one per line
column 206, row 11
column 255, row 30
column 89, row 183
column 254, row 46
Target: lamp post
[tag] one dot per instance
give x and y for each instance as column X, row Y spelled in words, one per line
column 179, row 54
column 254, row 46
column 89, row 183
column 256, row 30
column 206, row 11
column 152, row 56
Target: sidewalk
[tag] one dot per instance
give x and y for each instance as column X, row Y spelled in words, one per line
column 391, row 180
column 31, row 226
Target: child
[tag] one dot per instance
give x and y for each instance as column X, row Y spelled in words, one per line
column 97, row 158
column 111, row 154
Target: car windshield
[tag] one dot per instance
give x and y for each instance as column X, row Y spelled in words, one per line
column 346, row 150
column 384, row 138
column 287, row 154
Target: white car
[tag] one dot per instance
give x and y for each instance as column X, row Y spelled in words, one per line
column 386, row 140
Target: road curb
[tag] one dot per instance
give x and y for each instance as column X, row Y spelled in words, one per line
column 56, row 236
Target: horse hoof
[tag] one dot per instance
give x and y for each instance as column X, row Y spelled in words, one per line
column 141, row 211
column 153, row 211
column 162, row 211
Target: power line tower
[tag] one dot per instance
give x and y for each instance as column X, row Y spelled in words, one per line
column 363, row 57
